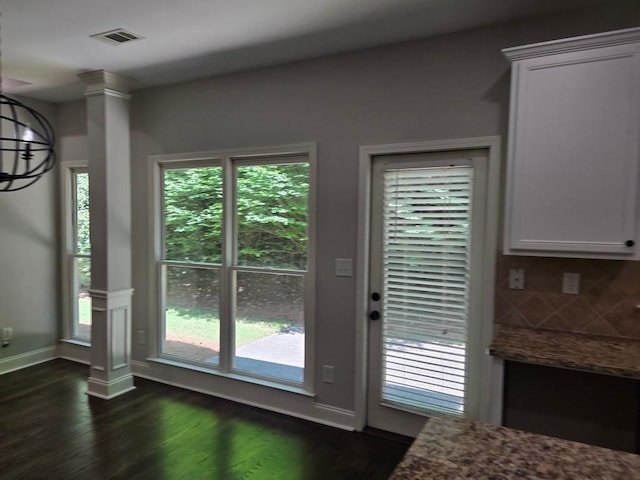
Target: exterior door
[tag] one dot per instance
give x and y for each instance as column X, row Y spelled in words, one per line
column 426, row 226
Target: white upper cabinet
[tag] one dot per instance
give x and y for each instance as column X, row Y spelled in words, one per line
column 574, row 148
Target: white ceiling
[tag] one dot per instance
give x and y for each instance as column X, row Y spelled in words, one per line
column 47, row 42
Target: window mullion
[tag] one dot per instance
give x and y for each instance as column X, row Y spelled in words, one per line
column 227, row 336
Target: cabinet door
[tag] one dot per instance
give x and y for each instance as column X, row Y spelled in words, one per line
column 573, row 171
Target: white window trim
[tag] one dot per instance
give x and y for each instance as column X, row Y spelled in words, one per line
column 488, row 404
column 220, row 157
column 69, row 313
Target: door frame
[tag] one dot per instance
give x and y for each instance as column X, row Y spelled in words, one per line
column 491, row 377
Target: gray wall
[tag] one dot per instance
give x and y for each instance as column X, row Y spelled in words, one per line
column 28, row 260
column 447, row 87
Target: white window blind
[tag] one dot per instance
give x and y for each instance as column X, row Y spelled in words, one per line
column 426, row 253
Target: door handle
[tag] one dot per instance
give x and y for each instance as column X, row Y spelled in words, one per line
column 374, row 315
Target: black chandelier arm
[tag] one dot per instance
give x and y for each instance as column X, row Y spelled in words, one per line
column 13, row 175
column 10, row 188
column 45, row 146
column 19, row 141
column 43, row 166
column 38, row 140
column 36, row 171
column 37, row 136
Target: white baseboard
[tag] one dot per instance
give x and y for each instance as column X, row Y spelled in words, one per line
column 335, row 417
column 140, row 369
column 23, row 360
column 293, row 405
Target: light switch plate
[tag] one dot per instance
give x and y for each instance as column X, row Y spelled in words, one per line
column 327, row 373
column 7, row 333
column 344, row 267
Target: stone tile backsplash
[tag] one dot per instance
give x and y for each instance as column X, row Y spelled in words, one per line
column 605, row 305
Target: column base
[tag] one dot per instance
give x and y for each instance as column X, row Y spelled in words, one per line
column 111, row 389
column 110, row 374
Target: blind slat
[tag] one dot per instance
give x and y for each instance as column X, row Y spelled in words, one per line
column 426, row 225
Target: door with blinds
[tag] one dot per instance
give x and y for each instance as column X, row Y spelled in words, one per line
column 427, row 217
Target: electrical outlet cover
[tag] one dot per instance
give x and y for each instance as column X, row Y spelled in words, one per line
column 7, row 334
column 516, row 279
column 571, row 283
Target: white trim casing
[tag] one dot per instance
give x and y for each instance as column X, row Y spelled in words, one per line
column 28, row 359
column 489, row 381
column 66, row 240
column 67, row 251
column 226, row 158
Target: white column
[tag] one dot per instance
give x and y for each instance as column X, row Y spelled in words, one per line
column 110, row 215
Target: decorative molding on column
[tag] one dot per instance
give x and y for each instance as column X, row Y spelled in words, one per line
column 112, row 297
column 109, row 389
column 101, row 82
column 110, row 360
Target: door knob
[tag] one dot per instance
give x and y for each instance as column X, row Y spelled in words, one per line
column 375, row 315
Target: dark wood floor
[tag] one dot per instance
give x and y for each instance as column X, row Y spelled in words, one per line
column 49, row 429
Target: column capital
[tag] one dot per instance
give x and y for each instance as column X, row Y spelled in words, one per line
column 101, row 82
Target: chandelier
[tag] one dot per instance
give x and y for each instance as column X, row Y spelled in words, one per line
column 26, row 143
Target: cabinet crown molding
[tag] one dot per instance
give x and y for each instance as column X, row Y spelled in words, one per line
column 565, row 45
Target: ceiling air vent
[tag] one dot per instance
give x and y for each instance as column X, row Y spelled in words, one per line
column 117, row 36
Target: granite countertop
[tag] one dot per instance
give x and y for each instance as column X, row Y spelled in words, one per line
column 595, row 354
column 449, row 449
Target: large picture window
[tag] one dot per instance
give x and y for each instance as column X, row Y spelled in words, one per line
column 234, row 260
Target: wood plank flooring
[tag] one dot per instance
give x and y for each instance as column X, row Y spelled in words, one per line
column 50, row 429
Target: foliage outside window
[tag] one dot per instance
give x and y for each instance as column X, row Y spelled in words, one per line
column 272, row 215
column 82, row 256
column 77, row 268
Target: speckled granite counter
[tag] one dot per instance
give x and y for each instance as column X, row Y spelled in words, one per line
column 458, row 449
column 567, row 350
